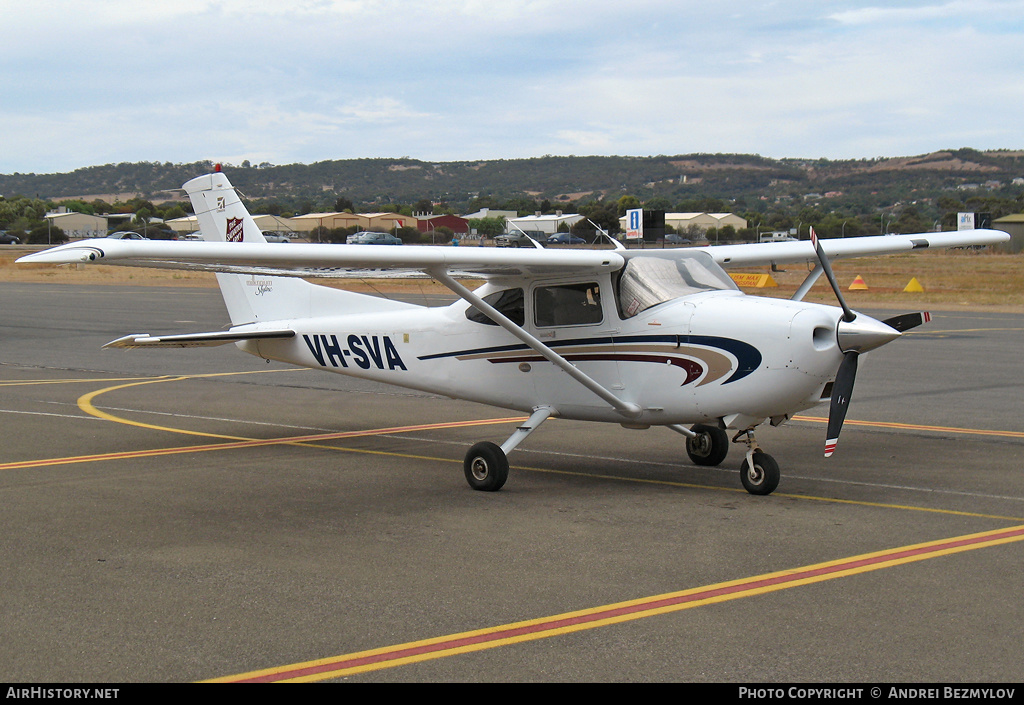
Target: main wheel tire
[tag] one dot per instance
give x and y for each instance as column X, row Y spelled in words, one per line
column 486, row 467
column 709, row 446
column 763, row 478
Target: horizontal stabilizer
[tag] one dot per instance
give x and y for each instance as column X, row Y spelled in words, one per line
column 195, row 340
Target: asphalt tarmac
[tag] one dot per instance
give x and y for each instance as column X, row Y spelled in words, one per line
column 184, row 515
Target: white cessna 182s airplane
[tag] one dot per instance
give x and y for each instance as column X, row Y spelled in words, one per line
column 639, row 338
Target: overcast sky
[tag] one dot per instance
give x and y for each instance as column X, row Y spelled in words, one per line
column 88, row 82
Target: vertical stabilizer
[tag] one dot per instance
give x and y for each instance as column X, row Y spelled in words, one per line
column 249, row 298
column 221, row 214
column 257, row 298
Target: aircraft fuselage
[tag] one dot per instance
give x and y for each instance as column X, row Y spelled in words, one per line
column 699, row 358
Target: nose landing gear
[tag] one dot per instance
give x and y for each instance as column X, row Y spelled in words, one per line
column 708, row 445
column 759, row 472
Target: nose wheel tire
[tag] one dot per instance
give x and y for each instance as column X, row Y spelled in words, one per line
column 709, row 446
column 761, row 478
column 486, row 467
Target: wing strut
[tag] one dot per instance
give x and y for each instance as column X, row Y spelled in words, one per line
column 683, row 430
column 539, row 416
column 623, row 407
column 808, row 282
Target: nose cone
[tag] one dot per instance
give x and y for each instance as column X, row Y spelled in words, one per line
column 864, row 333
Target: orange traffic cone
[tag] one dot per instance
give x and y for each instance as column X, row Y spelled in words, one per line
column 858, row 284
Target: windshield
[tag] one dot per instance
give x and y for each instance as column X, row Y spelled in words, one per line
column 648, row 280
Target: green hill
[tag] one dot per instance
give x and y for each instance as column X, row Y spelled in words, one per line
column 741, row 182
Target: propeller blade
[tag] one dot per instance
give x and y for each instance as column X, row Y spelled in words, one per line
column 907, row 321
column 841, row 392
column 848, row 315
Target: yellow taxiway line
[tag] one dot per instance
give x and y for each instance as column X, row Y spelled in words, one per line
column 917, row 427
column 566, row 623
column 492, row 637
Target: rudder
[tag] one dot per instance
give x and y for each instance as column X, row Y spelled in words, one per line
column 224, row 218
column 257, row 298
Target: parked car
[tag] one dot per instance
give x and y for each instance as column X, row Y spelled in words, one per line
column 276, row 237
column 7, row 239
column 126, row 235
column 677, row 239
column 368, row 238
column 520, row 239
column 565, row 239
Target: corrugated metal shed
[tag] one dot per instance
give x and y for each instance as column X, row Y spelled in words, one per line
column 1014, row 225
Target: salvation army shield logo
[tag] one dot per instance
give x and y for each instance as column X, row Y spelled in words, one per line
column 234, row 233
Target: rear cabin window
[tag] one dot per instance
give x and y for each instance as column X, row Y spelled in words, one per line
column 509, row 303
column 567, row 305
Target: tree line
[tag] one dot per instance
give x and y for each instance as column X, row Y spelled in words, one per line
column 24, row 216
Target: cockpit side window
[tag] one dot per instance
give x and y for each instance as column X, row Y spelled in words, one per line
column 509, row 303
column 567, row 305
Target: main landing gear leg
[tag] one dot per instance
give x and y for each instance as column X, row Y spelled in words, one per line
column 486, row 464
column 759, row 472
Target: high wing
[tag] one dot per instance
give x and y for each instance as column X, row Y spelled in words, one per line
column 330, row 261
column 730, row 256
column 344, row 261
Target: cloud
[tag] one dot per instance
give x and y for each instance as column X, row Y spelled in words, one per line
column 468, row 79
column 960, row 10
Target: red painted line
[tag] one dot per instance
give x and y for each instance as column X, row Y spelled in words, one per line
column 251, row 443
column 540, row 628
column 916, row 427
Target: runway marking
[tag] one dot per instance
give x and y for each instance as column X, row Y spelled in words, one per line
column 412, row 652
column 617, row 613
column 33, row 382
column 48, row 413
column 85, row 403
column 141, row 380
column 584, row 457
column 235, row 443
column 964, row 330
column 311, row 441
column 740, row 490
column 917, row 427
column 238, row 442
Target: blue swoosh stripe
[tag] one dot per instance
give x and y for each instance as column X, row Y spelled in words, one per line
column 748, row 358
